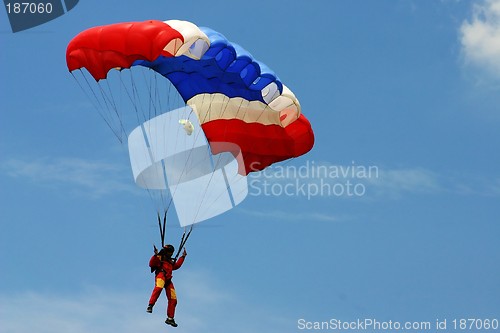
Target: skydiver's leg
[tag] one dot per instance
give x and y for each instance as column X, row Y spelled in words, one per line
column 172, row 300
column 159, row 285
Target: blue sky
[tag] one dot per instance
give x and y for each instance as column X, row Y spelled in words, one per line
column 410, row 88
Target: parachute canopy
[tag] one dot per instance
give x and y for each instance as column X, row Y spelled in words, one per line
column 237, row 99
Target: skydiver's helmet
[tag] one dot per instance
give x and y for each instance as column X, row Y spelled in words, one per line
column 167, row 250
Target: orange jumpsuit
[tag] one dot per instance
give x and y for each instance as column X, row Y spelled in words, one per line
column 163, row 280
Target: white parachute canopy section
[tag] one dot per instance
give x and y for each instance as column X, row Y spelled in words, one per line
column 171, row 153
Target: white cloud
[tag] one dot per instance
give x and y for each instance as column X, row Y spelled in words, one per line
column 92, row 311
column 205, row 305
column 96, row 178
column 395, row 182
column 292, row 216
column 477, row 185
column 480, row 37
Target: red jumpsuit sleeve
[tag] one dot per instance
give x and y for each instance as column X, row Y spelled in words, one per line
column 154, row 262
column 178, row 263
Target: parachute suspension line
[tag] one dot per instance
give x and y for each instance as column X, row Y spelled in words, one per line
column 228, row 188
column 165, row 89
column 215, row 165
column 211, row 157
column 107, row 97
column 239, row 179
column 204, row 194
column 140, row 81
column 137, row 107
column 114, row 106
column 152, row 110
column 162, row 227
column 134, row 96
column 157, row 98
column 177, row 181
column 190, row 112
column 155, row 108
column 169, row 92
column 169, row 104
column 183, row 241
column 120, row 110
column 159, row 109
column 95, row 102
column 171, row 95
column 151, row 103
column 184, row 170
column 136, row 100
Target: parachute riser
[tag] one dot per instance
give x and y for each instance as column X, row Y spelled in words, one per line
column 162, row 227
column 183, row 242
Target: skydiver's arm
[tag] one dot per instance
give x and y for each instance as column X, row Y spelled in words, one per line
column 179, row 261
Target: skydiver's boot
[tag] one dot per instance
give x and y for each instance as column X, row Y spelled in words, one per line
column 149, row 309
column 171, row 322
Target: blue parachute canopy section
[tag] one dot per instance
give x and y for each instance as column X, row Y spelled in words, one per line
column 224, row 68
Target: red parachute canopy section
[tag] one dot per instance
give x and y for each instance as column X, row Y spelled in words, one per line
column 102, row 48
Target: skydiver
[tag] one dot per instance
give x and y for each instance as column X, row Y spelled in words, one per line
column 163, row 264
